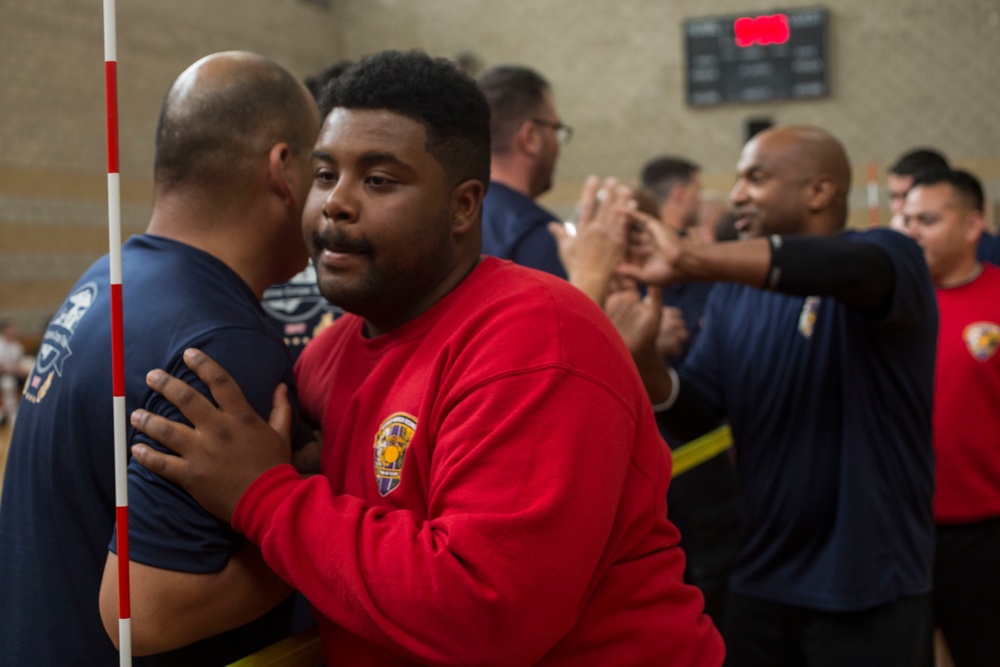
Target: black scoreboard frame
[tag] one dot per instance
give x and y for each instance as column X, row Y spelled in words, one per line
column 718, row 71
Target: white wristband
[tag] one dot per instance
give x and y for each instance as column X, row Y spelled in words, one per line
column 675, row 387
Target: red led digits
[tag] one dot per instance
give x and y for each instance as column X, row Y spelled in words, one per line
column 761, row 30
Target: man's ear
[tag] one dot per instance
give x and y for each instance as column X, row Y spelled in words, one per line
column 528, row 139
column 977, row 225
column 821, row 190
column 280, row 175
column 466, row 202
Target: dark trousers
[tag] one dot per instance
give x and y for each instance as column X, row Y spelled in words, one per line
column 767, row 634
column 967, row 591
column 703, row 504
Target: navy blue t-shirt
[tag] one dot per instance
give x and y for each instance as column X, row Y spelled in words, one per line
column 988, row 249
column 690, row 299
column 58, row 506
column 830, row 412
column 516, row 228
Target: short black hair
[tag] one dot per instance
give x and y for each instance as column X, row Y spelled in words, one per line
column 918, row 160
column 965, row 184
column 318, row 82
column 514, row 94
column 431, row 91
column 661, row 174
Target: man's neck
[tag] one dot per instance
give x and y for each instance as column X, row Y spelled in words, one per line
column 379, row 323
column 231, row 243
column 962, row 275
column 514, row 178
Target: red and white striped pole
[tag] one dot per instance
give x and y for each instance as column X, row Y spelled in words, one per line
column 873, row 213
column 117, row 346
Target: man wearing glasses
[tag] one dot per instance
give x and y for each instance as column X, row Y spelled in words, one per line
column 525, row 135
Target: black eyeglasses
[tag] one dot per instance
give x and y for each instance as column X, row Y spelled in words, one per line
column 563, row 132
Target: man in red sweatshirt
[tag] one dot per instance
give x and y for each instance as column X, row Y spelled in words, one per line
column 493, row 483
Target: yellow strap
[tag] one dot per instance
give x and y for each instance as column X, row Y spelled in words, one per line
column 303, row 649
column 701, row 449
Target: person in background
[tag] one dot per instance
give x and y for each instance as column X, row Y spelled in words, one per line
column 943, row 213
column 725, row 228
column 675, row 184
column 526, row 134
column 317, row 83
column 676, row 187
column 900, row 178
column 702, row 502
column 711, row 212
column 231, row 174
column 14, row 368
column 818, row 346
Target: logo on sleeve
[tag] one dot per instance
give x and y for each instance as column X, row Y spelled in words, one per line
column 55, row 348
column 807, row 318
column 391, row 442
column 982, row 339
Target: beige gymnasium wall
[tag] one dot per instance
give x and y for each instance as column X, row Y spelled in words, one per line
column 53, row 164
column 902, row 73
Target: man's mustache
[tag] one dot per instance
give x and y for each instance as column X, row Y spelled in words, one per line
column 339, row 240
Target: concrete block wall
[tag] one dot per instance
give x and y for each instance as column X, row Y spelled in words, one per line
column 903, row 73
column 53, row 164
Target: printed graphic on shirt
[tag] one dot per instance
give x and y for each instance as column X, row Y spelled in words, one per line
column 982, row 339
column 391, row 442
column 807, row 318
column 299, row 308
column 55, row 348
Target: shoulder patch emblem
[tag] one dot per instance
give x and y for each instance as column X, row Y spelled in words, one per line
column 982, row 339
column 55, row 347
column 807, row 318
column 391, row 442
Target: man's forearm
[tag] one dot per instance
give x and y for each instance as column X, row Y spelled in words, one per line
column 655, row 376
column 859, row 275
column 591, row 283
column 690, row 415
column 745, row 262
column 172, row 609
